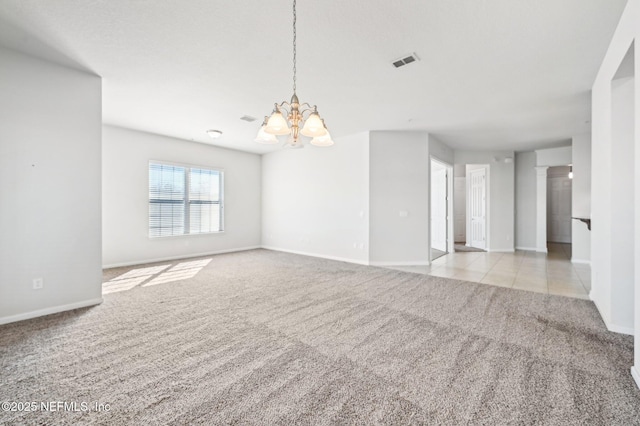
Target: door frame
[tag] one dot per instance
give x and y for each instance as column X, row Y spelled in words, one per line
column 487, row 203
column 542, row 172
column 551, row 175
column 449, row 175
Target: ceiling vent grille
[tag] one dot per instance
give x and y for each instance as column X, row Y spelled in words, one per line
column 405, row 60
column 248, row 118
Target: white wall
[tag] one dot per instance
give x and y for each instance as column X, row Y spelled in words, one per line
column 631, row 17
column 605, row 176
column 501, row 194
column 316, row 200
column 581, row 198
column 525, row 163
column 440, row 151
column 554, row 156
column 50, row 130
column 399, row 197
column 125, row 158
column 622, row 210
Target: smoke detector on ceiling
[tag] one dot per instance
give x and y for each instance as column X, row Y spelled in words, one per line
column 405, row 60
column 248, row 118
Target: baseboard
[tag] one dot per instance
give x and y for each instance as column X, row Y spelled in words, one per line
column 620, row 329
column 322, row 256
column 49, row 311
column 636, row 375
column 506, row 250
column 184, row 256
column 526, row 248
column 581, row 261
column 542, row 250
column 611, row 327
column 415, row 263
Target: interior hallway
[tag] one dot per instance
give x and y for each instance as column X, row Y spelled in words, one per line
column 551, row 273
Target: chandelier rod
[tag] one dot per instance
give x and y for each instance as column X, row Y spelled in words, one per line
column 294, row 47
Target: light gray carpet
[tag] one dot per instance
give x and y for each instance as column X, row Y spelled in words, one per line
column 462, row 247
column 263, row 337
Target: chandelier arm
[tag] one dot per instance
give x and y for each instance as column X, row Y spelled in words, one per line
column 309, row 110
column 284, row 105
column 305, row 113
column 306, row 107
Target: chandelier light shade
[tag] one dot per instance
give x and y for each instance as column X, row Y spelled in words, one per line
column 314, row 126
column 322, row 140
column 277, row 124
column 293, row 118
column 264, row 137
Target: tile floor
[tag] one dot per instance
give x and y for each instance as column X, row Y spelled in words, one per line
column 551, row 273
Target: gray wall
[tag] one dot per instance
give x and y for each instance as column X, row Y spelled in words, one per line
column 554, row 156
column 399, row 197
column 525, row 200
column 50, row 187
column 581, row 198
column 316, row 200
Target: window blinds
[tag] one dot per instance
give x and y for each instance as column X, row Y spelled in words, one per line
column 184, row 200
column 204, row 201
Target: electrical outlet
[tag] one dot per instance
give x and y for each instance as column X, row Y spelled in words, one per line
column 38, row 283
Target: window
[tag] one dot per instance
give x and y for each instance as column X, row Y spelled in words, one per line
column 184, row 200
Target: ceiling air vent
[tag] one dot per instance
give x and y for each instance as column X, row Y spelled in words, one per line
column 405, row 60
column 248, row 118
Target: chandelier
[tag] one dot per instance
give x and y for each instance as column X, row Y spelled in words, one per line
column 296, row 114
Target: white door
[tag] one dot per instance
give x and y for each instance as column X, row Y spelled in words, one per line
column 460, row 209
column 559, row 210
column 439, row 209
column 477, row 208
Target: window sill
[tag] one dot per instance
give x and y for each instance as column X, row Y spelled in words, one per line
column 204, row 234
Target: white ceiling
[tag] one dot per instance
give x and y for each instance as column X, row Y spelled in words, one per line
column 493, row 74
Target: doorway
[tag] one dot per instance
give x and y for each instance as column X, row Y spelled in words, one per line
column 559, row 184
column 441, row 227
column 477, row 190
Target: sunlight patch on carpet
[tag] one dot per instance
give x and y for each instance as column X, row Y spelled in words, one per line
column 163, row 275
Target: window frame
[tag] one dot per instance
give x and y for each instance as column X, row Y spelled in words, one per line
column 187, row 201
